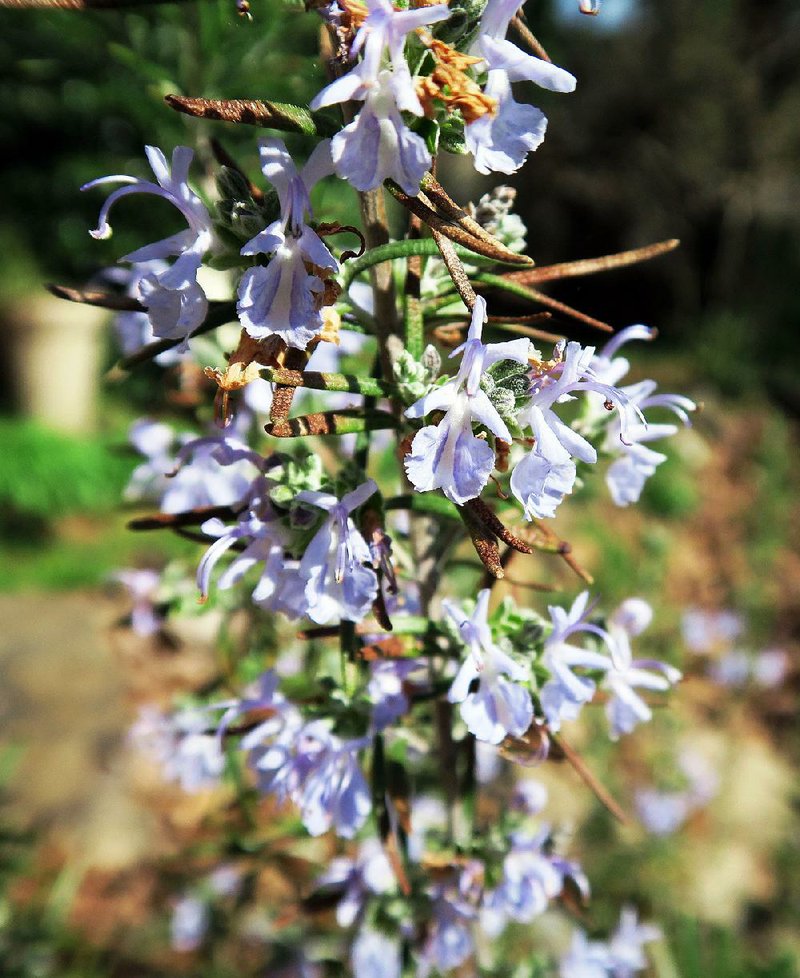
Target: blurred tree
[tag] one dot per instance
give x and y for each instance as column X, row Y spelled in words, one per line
column 689, row 111
column 79, row 91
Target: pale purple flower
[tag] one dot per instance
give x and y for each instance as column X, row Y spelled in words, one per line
column 378, row 145
column 338, row 582
column 376, row 955
column 530, row 881
column 142, row 586
column 501, row 141
column 529, row 796
column 626, row 708
column 770, row 668
column 282, row 298
column 176, row 304
column 182, row 744
column 450, row 940
column 134, row 330
column 565, row 693
column 607, row 367
column 448, row 456
column 663, row 812
column 626, row 947
column 731, row 669
column 205, row 471
column 263, row 537
column 427, row 813
column 488, row 762
column 498, row 706
column 320, row 773
column 225, row 880
column 189, row 924
column 708, row 631
column 585, row 958
column 547, row 474
column 281, row 718
column 636, row 462
column 386, row 689
column 368, row 875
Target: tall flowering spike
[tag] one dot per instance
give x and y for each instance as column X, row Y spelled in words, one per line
column 626, row 708
column 498, row 706
column 378, row 145
column 175, row 302
column 284, row 298
column 500, row 142
column 565, row 693
column 448, row 456
column 338, row 584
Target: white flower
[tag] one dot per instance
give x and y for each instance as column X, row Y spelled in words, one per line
column 498, row 706
column 448, row 456
column 378, row 145
column 565, row 693
column 175, row 303
column 626, row 708
column 500, row 142
column 283, row 298
column 337, row 582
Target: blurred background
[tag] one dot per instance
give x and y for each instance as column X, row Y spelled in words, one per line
column 685, row 124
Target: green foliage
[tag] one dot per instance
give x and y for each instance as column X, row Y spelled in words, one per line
column 90, row 89
column 45, row 474
column 703, row 951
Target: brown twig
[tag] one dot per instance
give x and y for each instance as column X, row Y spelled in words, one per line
column 455, row 268
column 444, row 203
column 283, row 394
column 595, row 785
column 456, row 230
column 483, row 512
column 105, row 300
column 193, row 517
column 250, row 112
column 591, row 266
column 330, row 423
column 80, row 4
column 484, row 541
column 518, row 24
column 566, row 310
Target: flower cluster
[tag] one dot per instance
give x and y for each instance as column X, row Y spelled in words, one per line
column 390, row 728
column 283, row 298
column 620, row 957
column 506, row 402
column 465, row 89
